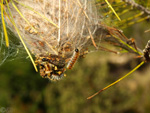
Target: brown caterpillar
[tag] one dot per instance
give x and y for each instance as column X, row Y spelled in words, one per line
column 74, row 58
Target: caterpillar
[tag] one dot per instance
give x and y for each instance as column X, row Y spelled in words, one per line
column 74, row 58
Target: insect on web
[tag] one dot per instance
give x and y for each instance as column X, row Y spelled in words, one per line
column 53, row 29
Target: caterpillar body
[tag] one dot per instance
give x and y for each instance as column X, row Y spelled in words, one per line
column 74, row 58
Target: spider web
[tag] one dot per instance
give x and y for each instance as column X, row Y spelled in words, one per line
column 104, row 12
column 14, row 51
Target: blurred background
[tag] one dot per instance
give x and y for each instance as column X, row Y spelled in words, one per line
column 22, row 90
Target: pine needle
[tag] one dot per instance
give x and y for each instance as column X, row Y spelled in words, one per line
column 117, row 80
column 127, row 45
column 28, row 52
column 4, row 26
column 113, row 10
